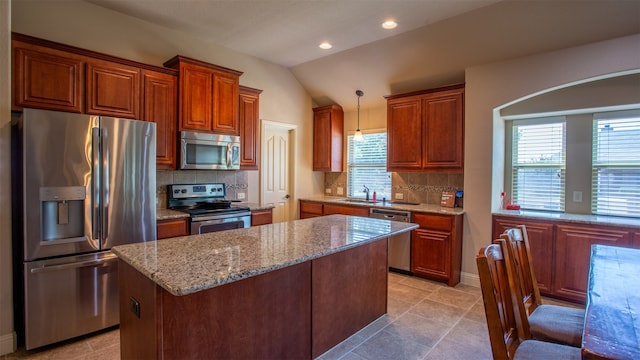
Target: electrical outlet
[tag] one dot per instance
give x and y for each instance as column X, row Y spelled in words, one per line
column 134, row 306
column 577, row 196
column 240, row 196
column 340, row 191
column 327, row 191
column 399, row 196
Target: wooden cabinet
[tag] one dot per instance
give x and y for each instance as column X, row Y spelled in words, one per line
column 172, row 227
column 561, row 251
column 113, row 89
column 436, row 247
column 249, row 114
column 261, row 217
column 425, row 130
column 328, row 127
column 160, row 106
column 309, row 209
column 330, row 209
column 541, row 245
column 49, row 75
column 209, row 96
column 47, row 79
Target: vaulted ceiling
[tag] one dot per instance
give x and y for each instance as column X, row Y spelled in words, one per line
column 434, row 42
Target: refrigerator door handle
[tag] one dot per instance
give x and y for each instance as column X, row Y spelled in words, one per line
column 105, row 185
column 74, row 265
column 95, row 183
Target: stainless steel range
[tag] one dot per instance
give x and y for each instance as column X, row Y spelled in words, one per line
column 208, row 208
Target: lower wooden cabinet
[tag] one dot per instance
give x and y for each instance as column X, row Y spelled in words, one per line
column 436, row 247
column 261, row 217
column 172, row 228
column 561, row 250
column 310, row 209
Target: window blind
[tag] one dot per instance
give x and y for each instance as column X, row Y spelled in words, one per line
column 367, row 166
column 616, row 164
column 538, row 165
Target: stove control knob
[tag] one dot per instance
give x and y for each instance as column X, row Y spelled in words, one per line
column 176, row 191
column 184, row 191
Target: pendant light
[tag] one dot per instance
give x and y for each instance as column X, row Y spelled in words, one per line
column 358, row 134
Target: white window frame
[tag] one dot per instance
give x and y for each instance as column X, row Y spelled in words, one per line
column 530, row 199
column 356, row 191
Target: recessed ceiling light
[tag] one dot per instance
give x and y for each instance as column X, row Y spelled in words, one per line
column 325, row 46
column 389, row 24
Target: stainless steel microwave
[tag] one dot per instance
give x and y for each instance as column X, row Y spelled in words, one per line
column 203, row 151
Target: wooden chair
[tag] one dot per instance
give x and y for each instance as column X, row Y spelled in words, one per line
column 502, row 315
column 552, row 323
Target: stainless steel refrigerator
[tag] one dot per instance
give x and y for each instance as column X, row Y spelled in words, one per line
column 88, row 183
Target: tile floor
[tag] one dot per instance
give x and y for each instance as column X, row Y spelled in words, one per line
column 425, row 320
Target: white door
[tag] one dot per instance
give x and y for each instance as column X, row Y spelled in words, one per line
column 276, row 150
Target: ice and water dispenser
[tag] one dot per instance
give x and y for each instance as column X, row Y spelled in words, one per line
column 62, row 213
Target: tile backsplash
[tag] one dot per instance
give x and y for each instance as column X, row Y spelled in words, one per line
column 421, row 187
column 235, row 181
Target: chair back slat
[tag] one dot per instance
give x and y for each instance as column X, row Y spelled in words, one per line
column 497, row 298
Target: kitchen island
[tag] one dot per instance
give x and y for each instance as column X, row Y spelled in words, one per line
column 287, row 290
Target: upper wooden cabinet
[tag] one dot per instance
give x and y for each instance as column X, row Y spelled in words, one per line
column 47, row 79
column 209, row 96
column 54, row 76
column 160, row 106
column 113, row 89
column 249, row 114
column 425, row 130
column 328, row 126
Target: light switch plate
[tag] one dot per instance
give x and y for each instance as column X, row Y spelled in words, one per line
column 327, row 191
column 340, row 191
column 399, row 196
column 240, row 196
column 577, row 196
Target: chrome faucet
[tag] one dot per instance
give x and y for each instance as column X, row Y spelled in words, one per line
column 365, row 190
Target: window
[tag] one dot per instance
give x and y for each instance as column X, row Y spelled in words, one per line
column 615, row 168
column 538, row 164
column 367, row 166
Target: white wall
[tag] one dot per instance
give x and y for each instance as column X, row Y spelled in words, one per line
column 491, row 86
column 6, row 294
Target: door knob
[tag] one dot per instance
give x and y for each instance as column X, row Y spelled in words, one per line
column 287, row 196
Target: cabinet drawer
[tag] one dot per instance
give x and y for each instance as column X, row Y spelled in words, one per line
column 172, row 227
column 311, row 208
column 433, row 222
column 346, row 210
column 261, row 217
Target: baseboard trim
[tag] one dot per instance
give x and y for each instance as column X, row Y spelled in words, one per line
column 470, row 279
column 8, row 343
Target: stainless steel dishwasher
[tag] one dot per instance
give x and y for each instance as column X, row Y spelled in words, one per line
column 399, row 245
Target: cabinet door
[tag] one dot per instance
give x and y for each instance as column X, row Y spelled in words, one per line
column 540, row 243
column 113, row 90
column 573, row 250
column 160, row 106
column 225, row 104
column 249, row 129
column 431, row 246
column 47, row 81
column 404, row 134
column 442, row 116
column 328, row 127
column 196, row 98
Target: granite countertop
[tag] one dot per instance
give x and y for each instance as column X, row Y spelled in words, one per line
column 188, row 264
column 165, row 214
column 397, row 205
column 575, row 218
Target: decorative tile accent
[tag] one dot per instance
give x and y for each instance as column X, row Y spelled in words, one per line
column 235, row 181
